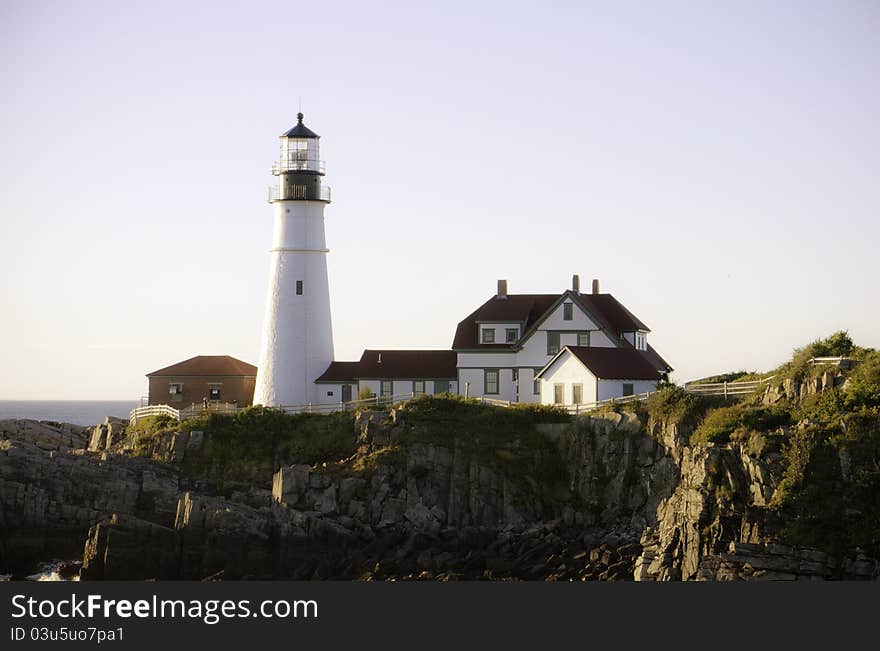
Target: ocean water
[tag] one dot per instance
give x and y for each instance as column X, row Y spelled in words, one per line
column 78, row 412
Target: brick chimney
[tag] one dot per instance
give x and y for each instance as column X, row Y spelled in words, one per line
column 595, row 285
column 502, row 291
column 576, row 284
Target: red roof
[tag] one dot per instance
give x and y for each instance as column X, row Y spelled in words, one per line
column 612, row 363
column 609, row 308
column 655, row 360
column 208, row 365
column 529, row 309
column 340, row 372
column 394, row 364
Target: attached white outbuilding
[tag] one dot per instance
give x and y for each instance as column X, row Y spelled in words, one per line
column 582, row 375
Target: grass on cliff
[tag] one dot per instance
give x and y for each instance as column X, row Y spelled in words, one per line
column 739, row 422
column 838, row 344
column 675, row 404
column 237, row 445
column 828, row 445
column 146, row 429
column 504, row 438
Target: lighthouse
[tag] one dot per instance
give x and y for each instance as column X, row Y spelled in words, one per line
column 297, row 340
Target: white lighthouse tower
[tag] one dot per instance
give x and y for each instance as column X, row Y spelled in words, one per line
column 297, row 342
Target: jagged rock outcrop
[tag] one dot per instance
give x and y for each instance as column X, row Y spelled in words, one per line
column 50, row 494
column 793, row 389
column 107, row 435
column 45, row 435
column 774, row 562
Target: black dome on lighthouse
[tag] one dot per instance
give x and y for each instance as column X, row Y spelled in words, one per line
column 300, row 130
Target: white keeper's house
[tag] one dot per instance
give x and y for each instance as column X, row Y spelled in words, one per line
column 568, row 348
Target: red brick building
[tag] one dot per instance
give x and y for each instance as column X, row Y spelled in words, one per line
column 216, row 378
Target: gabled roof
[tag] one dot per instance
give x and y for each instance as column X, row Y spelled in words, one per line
column 610, row 363
column 209, row 365
column 532, row 309
column 524, row 308
column 300, row 130
column 394, row 364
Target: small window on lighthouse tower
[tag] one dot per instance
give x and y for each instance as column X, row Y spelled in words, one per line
column 299, row 287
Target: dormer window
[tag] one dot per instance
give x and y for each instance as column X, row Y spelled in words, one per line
column 488, row 336
column 511, row 335
column 641, row 341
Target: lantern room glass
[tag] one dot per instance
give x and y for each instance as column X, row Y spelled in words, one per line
column 300, row 154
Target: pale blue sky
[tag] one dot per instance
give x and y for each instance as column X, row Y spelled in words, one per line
column 716, row 165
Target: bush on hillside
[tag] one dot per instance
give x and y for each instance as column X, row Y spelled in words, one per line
column 738, row 422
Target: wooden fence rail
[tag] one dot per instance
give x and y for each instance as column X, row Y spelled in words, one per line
column 725, row 389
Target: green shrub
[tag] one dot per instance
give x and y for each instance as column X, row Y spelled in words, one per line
column 821, row 407
column 737, row 422
column 717, row 426
column 829, row 495
column 671, row 402
column 365, row 394
column 863, row 386
column 152, row 425
column 837, row 344
column 676, row 404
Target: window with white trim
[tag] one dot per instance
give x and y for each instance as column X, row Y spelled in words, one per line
column 491, row 381
column 488, row 336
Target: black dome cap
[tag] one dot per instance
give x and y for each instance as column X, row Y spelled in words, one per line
column 300, row 130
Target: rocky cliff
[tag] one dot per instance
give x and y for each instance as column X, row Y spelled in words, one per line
column 431, row 490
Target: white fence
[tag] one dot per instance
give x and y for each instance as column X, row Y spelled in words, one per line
column 231, row 408
column 183, row 413
column 725, row 389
